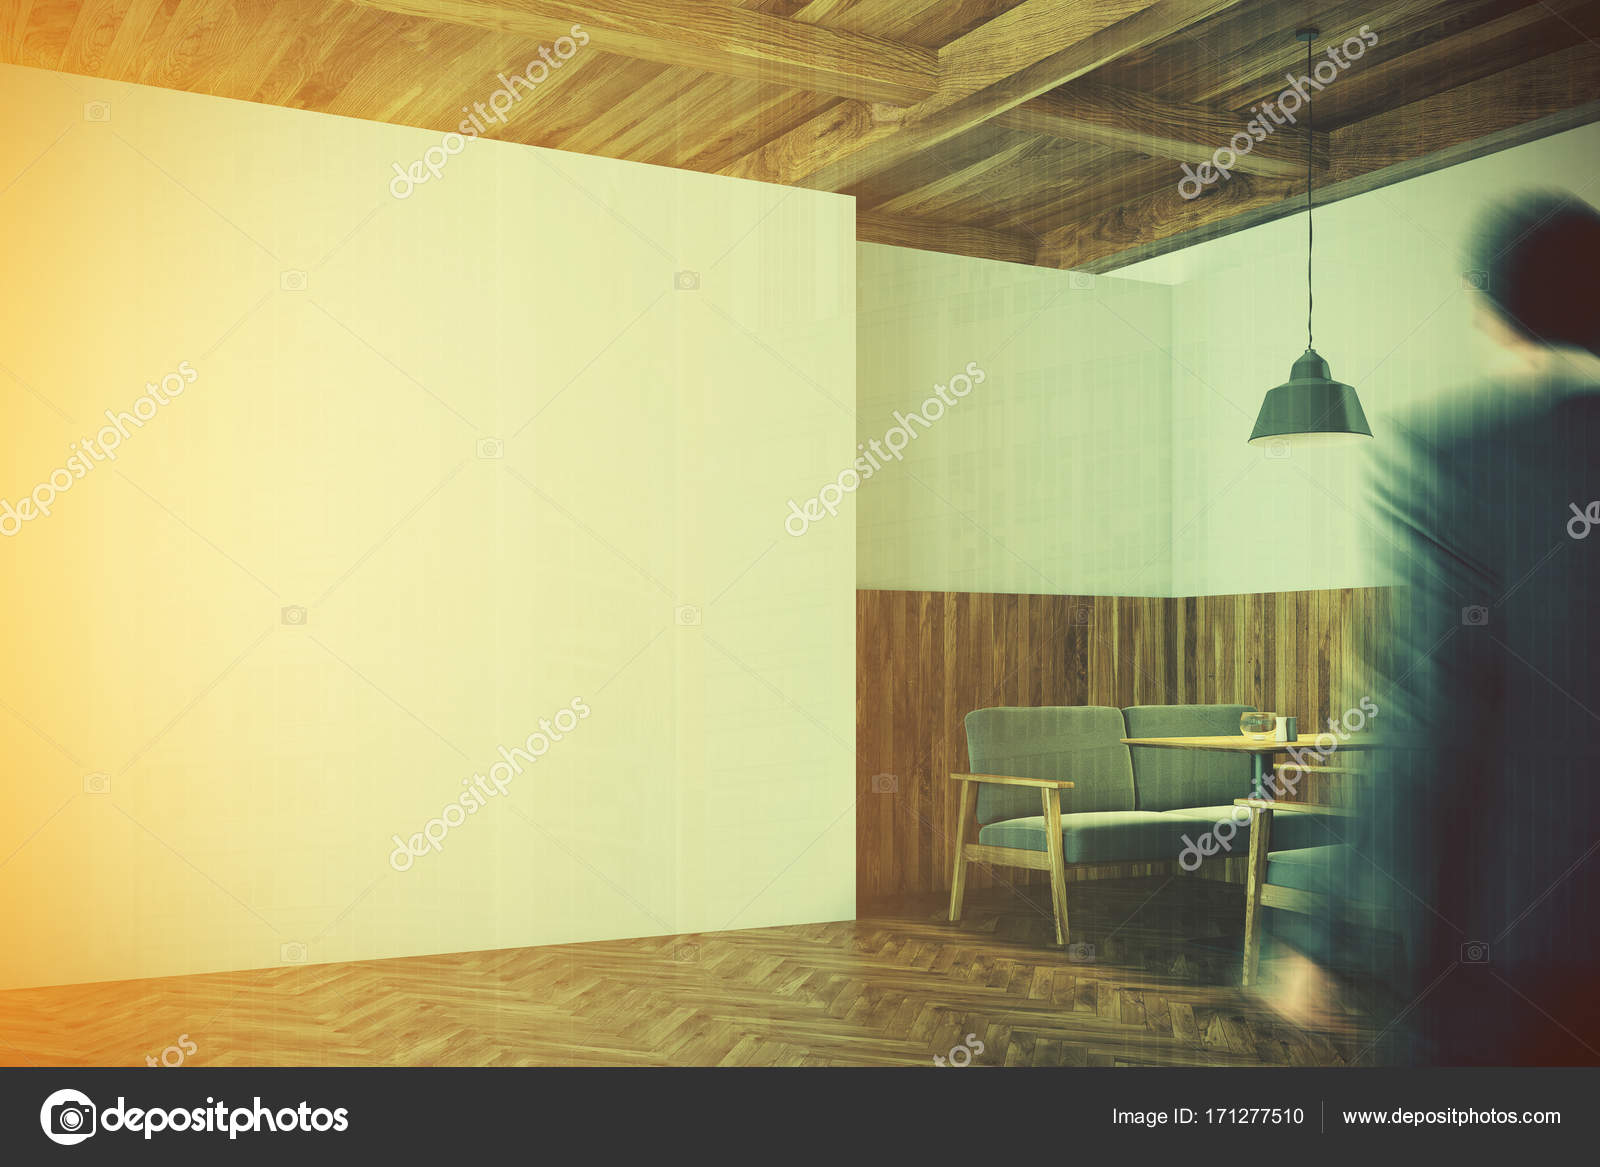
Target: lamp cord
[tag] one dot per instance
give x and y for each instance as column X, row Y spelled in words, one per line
column 1311, row 133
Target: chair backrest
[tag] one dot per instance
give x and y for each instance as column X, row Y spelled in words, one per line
column 1172, row 779
column 1079, row 743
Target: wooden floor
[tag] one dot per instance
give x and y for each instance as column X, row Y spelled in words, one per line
column 897, row 988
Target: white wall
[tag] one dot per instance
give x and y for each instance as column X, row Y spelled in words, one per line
column 626, row 546
column 1053, row 475
column 1393, row 318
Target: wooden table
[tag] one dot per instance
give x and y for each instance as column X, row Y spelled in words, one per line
column 1261, row 804
column 1259, row 751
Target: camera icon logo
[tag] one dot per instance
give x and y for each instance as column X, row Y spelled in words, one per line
column 686, row 953
column 1475, row 616
column 686, row 281
column 295, row 614
column 1082, row 613
column 1278, row 448
column 292, row 952
column 1475, row 952
column 1081, row 953
column 97, row 111
column 292, row 281
column 885, row 784
column 688, row 616
column 67, row 1117
column 1081, row 281
column 97, row 783
column 1475, row 281
column 490, row 448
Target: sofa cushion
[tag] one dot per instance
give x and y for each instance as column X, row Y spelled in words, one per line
column 1304, row 868
column 1097, row 836
column 1332, row 870
column 1170, row 779
column 1289, row 829
column 1079, row 743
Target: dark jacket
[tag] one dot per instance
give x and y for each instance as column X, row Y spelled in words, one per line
column 1487, row 840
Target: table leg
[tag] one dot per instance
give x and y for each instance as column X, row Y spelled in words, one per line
column 1258, row 774
column 1260, row 841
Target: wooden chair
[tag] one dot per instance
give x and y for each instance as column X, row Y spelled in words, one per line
column 1048, row 860
column 1260, row 894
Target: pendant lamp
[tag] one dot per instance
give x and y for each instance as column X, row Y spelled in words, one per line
column 1310, row 405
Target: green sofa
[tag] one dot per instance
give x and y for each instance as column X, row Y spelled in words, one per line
column 1118, row 805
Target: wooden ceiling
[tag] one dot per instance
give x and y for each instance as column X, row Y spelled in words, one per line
column 1047, row 131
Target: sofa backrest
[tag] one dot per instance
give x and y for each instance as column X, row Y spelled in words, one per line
column 1079, row 743
column 1172, row 779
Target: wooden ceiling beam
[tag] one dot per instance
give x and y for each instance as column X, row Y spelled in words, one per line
column 1255, row 46
column 992, row 141
column 1475, row 51
column 954, row 181
column 1545, row 96
column 1141, row 123
column 715, row 37
column 1023, row 53
column 755, row 45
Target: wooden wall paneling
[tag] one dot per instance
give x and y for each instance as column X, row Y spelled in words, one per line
column 926, row 659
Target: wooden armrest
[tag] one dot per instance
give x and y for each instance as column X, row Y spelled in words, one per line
column 1296, row 807
column 1012, row 780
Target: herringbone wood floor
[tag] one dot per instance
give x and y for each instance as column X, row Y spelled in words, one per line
column 895, row 988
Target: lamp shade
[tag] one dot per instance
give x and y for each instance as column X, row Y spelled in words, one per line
column 1310, row 403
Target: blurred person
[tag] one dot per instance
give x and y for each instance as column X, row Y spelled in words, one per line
column 1481, row 834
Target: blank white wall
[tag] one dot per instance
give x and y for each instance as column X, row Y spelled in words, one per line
column 1053, row 475
column 620, row 540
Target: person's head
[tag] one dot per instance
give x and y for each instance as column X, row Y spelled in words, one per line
column 1536, row 257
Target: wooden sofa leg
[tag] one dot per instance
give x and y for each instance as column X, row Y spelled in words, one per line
column 958, row 881
column 1255, row 876
column 1058, row 870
